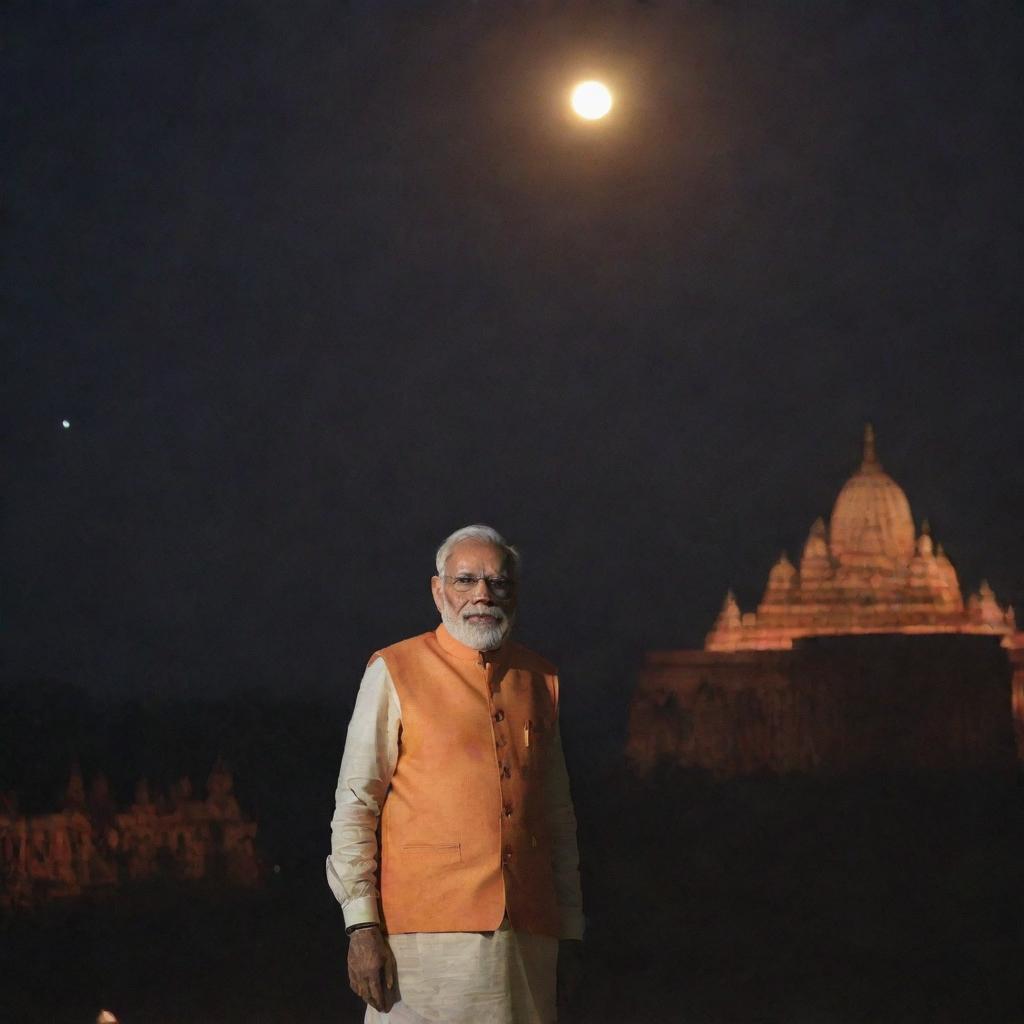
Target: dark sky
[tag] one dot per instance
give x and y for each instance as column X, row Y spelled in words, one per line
column 317, row 282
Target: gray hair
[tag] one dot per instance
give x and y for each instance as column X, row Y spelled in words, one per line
column 480, row 532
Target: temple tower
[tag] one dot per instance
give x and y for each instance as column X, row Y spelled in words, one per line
column 868, row 571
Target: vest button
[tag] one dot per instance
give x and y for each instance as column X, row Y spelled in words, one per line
column 506, row 771
column 506, row 854
column 508, row 810
column 499, row 715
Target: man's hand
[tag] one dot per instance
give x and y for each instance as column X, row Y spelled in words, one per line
column 371, row 968
column 570, row 973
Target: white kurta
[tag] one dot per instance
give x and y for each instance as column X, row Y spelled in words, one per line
column 502, row 977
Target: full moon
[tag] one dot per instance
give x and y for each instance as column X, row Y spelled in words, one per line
column 591, row 100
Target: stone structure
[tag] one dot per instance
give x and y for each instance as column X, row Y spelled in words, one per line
column 797, row 684
column 866, row 573
column 90, row 845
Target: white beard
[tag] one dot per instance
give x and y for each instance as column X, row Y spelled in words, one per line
column 479, row 637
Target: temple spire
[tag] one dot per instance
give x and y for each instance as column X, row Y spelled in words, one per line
column 870, row 459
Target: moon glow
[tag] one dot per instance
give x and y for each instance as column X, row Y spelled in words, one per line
column 591, row 100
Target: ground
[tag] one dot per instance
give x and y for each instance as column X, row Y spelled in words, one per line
column 756, row 901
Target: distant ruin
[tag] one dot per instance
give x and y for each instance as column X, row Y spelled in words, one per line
column 91, row 846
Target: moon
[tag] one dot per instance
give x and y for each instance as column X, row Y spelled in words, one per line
column 591, row 100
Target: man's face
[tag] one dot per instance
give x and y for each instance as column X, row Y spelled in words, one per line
column 477, row 616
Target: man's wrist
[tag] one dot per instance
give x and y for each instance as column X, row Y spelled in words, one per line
column 363, row 924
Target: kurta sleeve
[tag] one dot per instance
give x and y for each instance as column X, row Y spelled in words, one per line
column 564, row 851
column 371, row 753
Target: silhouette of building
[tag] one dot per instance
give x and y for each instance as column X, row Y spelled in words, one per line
column 865, row 654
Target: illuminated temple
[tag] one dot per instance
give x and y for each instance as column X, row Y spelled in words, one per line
column 864, row 654
column 866, row 572
column 89, row 846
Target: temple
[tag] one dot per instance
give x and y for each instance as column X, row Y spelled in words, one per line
column 91, row 846
column 866, row 572
column 872, row 614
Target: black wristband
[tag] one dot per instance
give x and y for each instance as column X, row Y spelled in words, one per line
column 365, row 924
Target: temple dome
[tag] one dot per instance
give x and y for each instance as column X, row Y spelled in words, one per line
column 871, row 520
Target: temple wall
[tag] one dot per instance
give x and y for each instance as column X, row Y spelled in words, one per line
column 1017, row 664
column 840, row 704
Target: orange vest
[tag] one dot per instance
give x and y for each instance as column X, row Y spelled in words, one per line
column 464, row 837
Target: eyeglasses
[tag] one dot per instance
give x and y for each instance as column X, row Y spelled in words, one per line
column 499, row 586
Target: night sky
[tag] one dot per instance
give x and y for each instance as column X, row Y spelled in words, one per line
column 316, row 283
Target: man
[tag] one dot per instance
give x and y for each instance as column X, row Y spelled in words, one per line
column 454, row 760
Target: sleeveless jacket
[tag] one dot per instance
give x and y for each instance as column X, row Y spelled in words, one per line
column 464, row 836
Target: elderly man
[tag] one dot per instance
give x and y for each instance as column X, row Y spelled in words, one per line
column 454, row 760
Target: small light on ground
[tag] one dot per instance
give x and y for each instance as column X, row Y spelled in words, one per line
column 65, row 424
